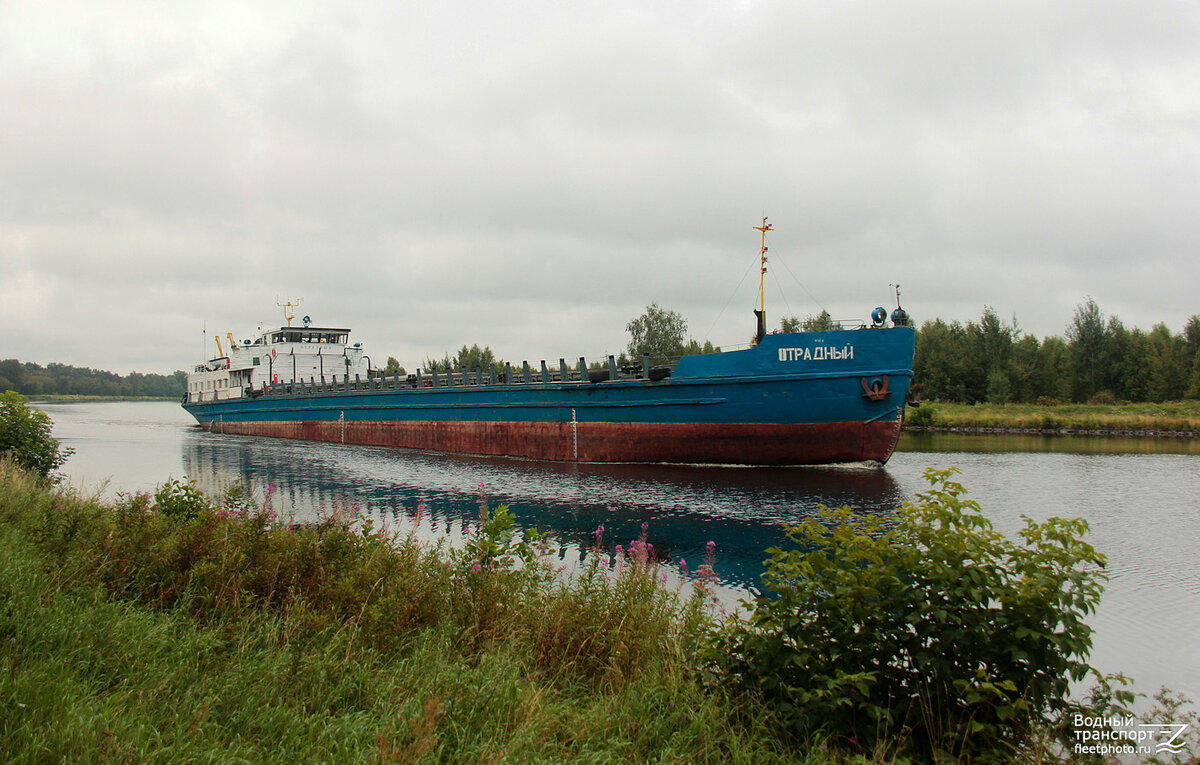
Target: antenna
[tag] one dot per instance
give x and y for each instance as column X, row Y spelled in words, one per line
column 289, row 307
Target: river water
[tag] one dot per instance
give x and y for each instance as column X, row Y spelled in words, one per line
column 1140, row 497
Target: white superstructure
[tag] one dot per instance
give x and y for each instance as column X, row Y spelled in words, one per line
column 287, row 355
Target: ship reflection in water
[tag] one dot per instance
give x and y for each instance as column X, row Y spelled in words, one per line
column 741, row 509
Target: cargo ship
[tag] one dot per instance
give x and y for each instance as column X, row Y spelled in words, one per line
column 796, row 398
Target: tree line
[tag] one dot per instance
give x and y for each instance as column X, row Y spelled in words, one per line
column 1099, row 360
column 31, row 379
column 659, row 332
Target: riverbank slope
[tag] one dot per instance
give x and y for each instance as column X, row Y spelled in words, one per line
column 163, row 628
column 1176, row 419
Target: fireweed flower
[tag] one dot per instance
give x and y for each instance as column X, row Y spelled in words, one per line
column 420, row 512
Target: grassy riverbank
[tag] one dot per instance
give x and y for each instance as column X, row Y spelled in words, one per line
column 128, row 635
column 177, row 628
column 60, row 398
column 1171, row 418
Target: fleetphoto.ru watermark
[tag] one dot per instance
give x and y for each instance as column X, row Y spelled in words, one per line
column 1126, row 736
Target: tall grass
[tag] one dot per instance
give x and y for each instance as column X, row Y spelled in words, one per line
column 171, row 627
column 1170, row 417
column 130, row 635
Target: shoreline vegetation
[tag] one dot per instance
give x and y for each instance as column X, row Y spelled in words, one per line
column 1176, row 419
column 175, row 626
column 67, row 398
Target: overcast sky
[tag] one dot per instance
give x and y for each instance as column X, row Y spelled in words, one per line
column 530, row 175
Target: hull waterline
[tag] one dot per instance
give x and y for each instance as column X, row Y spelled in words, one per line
column 701, row 443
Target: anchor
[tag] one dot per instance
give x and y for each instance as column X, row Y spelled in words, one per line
column 877, row 389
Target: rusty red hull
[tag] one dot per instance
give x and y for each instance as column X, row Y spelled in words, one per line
column 715, row 443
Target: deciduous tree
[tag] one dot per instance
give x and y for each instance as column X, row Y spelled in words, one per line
column 25, row 436
column 659, row 332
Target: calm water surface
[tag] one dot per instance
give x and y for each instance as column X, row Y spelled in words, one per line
column 1140, row 497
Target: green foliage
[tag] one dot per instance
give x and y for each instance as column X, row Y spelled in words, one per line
column 694, row 348
column 927, row 626
column 822, row 322
column 62, row 379
column 919, row 416
column 659, row 332
column 497, row 543
column 25, row 436
column 1087, row 338
column 393, row 368
column 999, row 388
column 1176, row 416
column 467, row 359
column 992, row 361
column 134, row 637
column 181, row 499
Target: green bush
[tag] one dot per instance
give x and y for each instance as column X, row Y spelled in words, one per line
column 25, row 436
column 920, row 416
column 181, row 499
column 926, row 627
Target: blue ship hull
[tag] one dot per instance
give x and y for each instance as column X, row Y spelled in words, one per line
column 801, row 398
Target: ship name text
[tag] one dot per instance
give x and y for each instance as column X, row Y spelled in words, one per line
column 819, row 353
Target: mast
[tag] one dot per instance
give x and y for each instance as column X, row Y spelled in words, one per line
column 288, row 309
column 761, row 313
